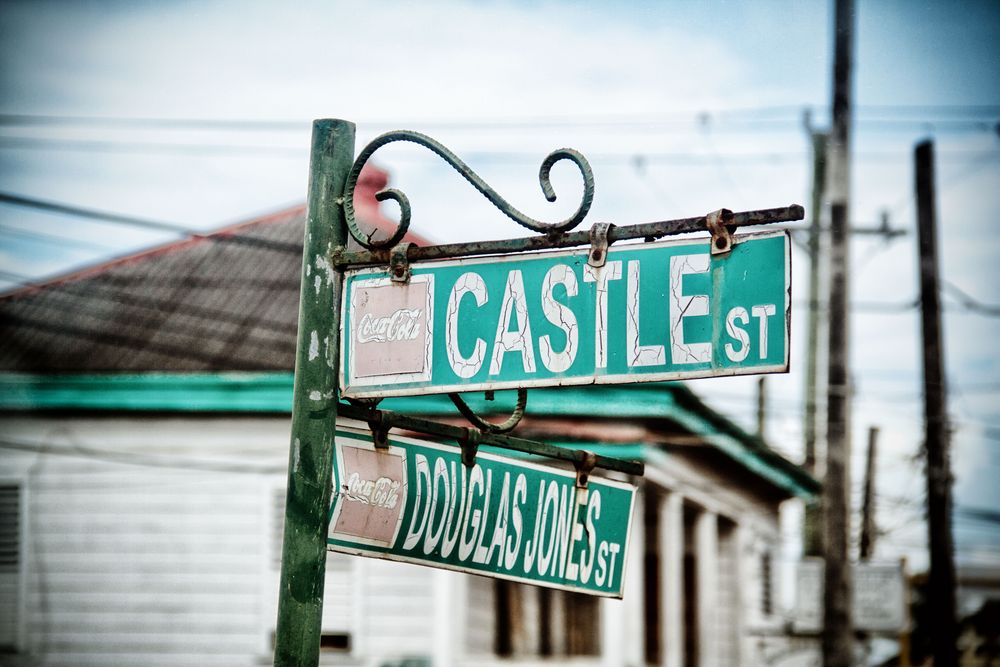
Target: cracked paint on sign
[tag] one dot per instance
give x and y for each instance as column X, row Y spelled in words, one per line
column 653, row 312
column 682, row 306
column 519, row 340
column 562, row 317
column 638, row 355
column 464, row 367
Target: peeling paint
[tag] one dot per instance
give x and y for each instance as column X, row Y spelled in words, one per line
column 313, row 346
column 464, row 367
column 561, row 316
column 519, row 341
column 682, row 306
column 323, row 264
column 639, row 355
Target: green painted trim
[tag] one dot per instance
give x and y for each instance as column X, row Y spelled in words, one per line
column 159, row 392
column 272, row 393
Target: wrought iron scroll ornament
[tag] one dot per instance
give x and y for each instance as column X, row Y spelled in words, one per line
column 505, row 426
column 505, row 207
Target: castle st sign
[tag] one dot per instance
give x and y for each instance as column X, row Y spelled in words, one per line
column 655, row 311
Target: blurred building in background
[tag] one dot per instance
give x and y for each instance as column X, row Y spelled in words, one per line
column 145, row 418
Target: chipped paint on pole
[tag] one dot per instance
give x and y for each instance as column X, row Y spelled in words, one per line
column 314, row 402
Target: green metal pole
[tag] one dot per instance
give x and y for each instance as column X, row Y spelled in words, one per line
column 314, row 402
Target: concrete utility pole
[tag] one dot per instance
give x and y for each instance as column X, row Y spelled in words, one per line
column 838, row 635
column 941, row 582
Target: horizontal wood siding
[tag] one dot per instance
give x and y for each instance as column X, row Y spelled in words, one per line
column 133, row 565
column 398, row 611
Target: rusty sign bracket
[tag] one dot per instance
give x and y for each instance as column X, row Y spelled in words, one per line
column 399, row 264
column 584, row 468
column 470, row 447
column 722, row 237
column 599, row 244
column 379, row 429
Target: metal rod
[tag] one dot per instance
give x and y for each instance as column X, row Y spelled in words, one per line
column 394, row 419
column 314, row 403
column 572, row 239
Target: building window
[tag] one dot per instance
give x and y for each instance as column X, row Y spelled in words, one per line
column 536, row 621
column 11, row 561
column 766, row 602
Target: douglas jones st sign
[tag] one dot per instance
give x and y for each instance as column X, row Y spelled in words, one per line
column 415, row 501
column 656, row 311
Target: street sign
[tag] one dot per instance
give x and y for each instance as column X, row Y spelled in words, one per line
column 656, row 311
column 416, row 502
column 878, row 596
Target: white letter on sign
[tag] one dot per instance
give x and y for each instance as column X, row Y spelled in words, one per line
column 464, row 367
column 737, row 333
column 601, row 276
column 561, row 316
column 518, row 340
column 686, row 306
column 638, row 355
column 762, row 313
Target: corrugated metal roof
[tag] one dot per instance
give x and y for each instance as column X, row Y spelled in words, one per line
column 225, row 301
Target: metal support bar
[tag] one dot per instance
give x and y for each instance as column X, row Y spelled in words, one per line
column 460, row 433
column 504, row 427
column 647, row 230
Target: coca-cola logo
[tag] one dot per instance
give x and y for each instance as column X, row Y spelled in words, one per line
column 382, row 492
column 403, row 324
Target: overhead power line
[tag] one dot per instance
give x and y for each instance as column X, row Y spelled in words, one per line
column 970, row 302
column 788, row 113
column 143, row 223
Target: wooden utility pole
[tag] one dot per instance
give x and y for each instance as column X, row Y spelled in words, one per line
column 811, row 533
column 838, row 635
column 941, row 582
column 867, row 546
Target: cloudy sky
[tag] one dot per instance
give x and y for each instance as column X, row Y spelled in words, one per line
column 198, row 113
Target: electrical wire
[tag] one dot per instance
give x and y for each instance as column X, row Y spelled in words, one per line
column 143, row 223
column 144, row 460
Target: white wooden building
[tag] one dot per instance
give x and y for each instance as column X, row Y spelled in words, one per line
column 144, row 426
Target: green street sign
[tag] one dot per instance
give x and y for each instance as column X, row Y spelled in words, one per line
column 669, row 310
column 416, row 502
